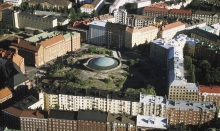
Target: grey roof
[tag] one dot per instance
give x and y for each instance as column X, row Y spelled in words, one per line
column 49, row 18
column 25, row 103
column 206, row 34
column 121, row 118
column 95, row 3
column 52, row 2
column 63, row 114
column 92, row 115
column 104, row 61
column 186, row 105
column 16, row 76
column 205, row 12
column 100, row 94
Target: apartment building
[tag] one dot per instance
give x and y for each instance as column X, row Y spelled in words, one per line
column 89, row 120
column 115, row 35
column 107, row 18
column 145, row 123
column 209, row 93
column 207, row 51
column 87, row 9
column 121, row 122
column 139, row 21
column 82, row 2
column 51, row 97
column 135, row 36
column 190, row 112
column 210, row 17
column 51, row 3
column 120, row 16
column 97, row 33
column 60, row 120
column 180, row 13
column 205, row 36
column 12, row 56
column 113, row 102
column 155, row 12
column 41, row 48
column 24, row 19
column 192, row 24
column 6, row 11
column 28, row 120
column 153, row 105
column 5, row 94
column 170, row 30
column 14, row 2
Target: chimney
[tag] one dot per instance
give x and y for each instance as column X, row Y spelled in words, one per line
column 18, row 40
column 36, row 113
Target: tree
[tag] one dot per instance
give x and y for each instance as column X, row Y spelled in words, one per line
column 144, row 49
column 36, row 32
column 187, row 62
column 73, row 15
column 132, row 62
column 131, row 90
column 205, row 65
column 92, row 49
column 188, row 50
column 150, row 90
column 1, row 32
column 79, row 13
column 94, row 13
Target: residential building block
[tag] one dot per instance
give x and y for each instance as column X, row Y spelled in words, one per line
column 209, row 93
column 14, row 2
column 87, row 9
column 51, row 3
column 139, row 21
column 107, row 18
column 120, row 16
column 135, row 36
column 210, row 17
column 5, row 94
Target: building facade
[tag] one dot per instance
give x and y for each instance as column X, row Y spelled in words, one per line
column 120, row 16
column 171, row 30
column 87, row 9
column 190, row 112
column 209, row 93
column 135, row 36
column 97, row 32
column 155, row 12
column 5, row 94
column 51, row 3
column 14, row 2
column 210, row 17
column 41, row 48
column 139, row 21
column 115, row 35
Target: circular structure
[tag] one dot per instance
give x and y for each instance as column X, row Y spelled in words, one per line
column 102, row 63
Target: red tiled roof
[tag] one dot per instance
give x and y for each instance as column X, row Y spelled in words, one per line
column 172, row 25
column 159, row 5
column 209, row 89
column 148, row 8
column 6, row 6
column 180, row 11
column 27, row 45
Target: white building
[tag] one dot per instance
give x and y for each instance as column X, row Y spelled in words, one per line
column 216, row 29
column 97, row 32
column 120, row 16
column 14, row 2
column 148, row 122
column 112, row 102
column 82, row 2
column 118, row 3
column 96, row 5
column 107, row 18
column 153, row 105
column 171, row 30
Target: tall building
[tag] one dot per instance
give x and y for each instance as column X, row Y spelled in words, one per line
column 97, row 33
column 41, row 48
column 115, row 35
column 135, row 36
column 120, row 16
column 190, row 112
column 60, row 120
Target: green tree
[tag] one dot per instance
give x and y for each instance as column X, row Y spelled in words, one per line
column 79, row 13
column 131, row 90
column 150, row 90
column 92, row 49
column 187, row 62
column 143, row 49
column 94, row 13
column 69, row 75
column 205, row 65
column 73, row 15
column 56, row 106
column 1, row 32
column 188, row 50
column 132, row 62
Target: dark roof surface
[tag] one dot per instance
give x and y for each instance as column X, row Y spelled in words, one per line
column 100, row 94
column 92, row 115
column 205, row 12
column 52, row 2
column 115, row 25
column 206, row 34
column 26, row 102
column 63, row 114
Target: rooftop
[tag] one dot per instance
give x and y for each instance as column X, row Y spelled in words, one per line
column 26, row 102
column 6, row 6
column 152, row 122
column 152, row 99
column 5, row 92
column 106, row 17
column 99, row 23
column 144, row 29
column 207, row 28
column 180, row 11
column 52, row 2
column 116, row 25
column 62, row 114
column 209, row 89
column 206, row 34
column 100, row 94
column 172, row 25
column 41, row 36
column 121, row 118
column 211, row 13
column 140, row 17
column 149, row 8
column 45, row 17
column 92, row 115
column 159, row 5
column 186, row 105
column 88, row 6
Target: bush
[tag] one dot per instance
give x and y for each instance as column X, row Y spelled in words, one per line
column 107, row 81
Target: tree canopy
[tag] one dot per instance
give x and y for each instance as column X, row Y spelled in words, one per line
column 150, row 90
column 94, row 13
